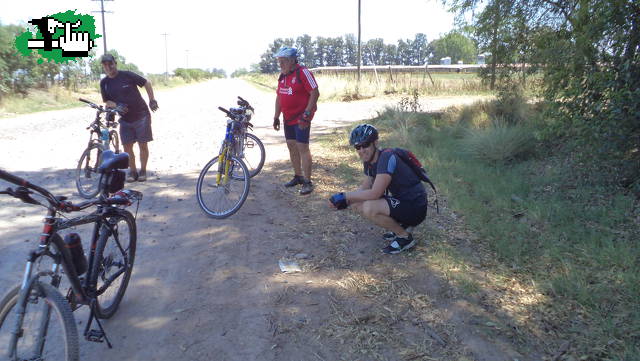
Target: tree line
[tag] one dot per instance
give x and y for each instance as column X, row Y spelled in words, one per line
column 343, row 51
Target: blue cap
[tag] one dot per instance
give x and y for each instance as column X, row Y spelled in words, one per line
column 286, row 52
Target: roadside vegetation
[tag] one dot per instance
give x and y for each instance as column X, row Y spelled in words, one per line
column 536, row 232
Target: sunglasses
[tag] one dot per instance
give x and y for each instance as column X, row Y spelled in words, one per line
column 363, row 145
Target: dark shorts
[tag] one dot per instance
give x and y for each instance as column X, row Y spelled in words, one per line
column 293, row 132
column 136, row 131
column 407, row 213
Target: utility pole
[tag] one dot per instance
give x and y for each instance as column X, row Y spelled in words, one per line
column 359, row 42
column 166, row 60
column 104, row 29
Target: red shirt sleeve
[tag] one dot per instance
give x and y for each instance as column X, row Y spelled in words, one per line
column 308, row 80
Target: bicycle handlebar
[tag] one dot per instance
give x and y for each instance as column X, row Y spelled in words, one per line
column 225, row 111
column 60, row 203
column 100, row 108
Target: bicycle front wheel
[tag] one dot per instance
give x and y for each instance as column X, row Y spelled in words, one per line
column 221, row 195
column 253, row 154
column 115, row 253
column 46, row 330
column 87, row 176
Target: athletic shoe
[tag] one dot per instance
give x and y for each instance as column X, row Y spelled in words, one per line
column 295, row 181
column 399, row 244
column 390, row 236
column 142, row 177
column 307, row 187
column 131, row 177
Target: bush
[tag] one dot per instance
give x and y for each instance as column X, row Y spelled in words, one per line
column 498, row 144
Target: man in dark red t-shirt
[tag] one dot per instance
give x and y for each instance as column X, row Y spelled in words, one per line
column 296, row 99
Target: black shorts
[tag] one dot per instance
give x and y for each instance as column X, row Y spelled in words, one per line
column 292, row 132
column 407, row 213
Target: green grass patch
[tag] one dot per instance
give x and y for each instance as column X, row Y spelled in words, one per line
column 40, row 100
column 550, row 221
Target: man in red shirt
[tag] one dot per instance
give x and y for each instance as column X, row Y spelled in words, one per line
column 296, row 99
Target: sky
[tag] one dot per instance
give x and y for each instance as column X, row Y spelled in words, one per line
column 232, row 34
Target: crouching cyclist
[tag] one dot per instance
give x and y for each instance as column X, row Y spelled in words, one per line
column 391, row 195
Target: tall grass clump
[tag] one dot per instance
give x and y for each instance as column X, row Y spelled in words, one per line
column 500, row 143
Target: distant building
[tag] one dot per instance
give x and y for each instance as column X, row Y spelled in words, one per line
column 482, row 58
column 445, row 61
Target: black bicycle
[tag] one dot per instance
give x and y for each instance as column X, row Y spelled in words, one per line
column 36, row 320
column 102, row 136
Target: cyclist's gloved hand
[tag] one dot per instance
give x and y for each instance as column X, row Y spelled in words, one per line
column 339, row 200
column 276, row 123
column 153, row 104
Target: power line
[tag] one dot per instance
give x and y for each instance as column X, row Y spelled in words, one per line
column 104, row 30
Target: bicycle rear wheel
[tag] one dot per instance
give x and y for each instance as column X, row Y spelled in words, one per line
column 253, row 154
column 113, row 265
column 87, row 176
column 47, row 330
column 221, row 199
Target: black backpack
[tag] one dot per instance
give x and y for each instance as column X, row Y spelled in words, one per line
column 412, row 161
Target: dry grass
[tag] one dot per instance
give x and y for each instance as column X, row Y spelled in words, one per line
column 345, row 87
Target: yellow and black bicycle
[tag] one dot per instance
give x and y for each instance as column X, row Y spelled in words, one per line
column 223, row 184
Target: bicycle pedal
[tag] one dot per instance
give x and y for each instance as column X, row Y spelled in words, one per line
column 95, row 336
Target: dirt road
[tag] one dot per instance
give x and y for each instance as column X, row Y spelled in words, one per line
column 202, row 289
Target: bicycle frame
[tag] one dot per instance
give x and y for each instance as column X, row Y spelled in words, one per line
column 228, row 144
column 83, row 289
column 101, row 130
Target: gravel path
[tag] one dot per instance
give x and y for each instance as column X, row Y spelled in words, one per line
column 202, row 289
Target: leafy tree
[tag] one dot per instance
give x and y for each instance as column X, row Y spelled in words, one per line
column 419, row 50
column 453, row 44
column 374, row 50
column 350, row 49
column 306, row 49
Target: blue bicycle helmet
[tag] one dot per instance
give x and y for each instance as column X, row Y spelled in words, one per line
column 363, row 133
column 286, row 52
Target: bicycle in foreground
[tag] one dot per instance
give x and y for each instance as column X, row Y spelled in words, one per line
column 223, row 184
column 102, row 136
column 36, row 319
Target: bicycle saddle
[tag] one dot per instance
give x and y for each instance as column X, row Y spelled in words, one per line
column 111, row 161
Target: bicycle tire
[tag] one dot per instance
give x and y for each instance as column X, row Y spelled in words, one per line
column 87, row 176
column 114, row 259
column 238, row 176
column 114, row 141
column 252, row 158
column 47, row 340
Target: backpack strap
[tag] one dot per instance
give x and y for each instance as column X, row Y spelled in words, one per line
column 428, row 180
